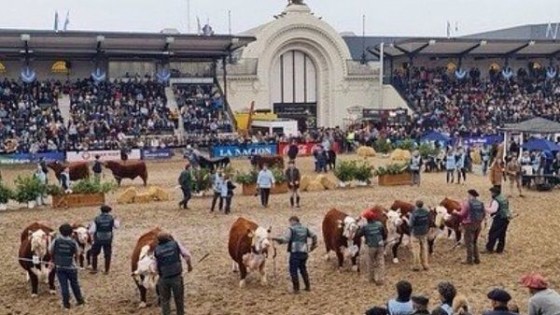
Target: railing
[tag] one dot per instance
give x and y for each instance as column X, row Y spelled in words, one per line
column 243, row 67
column 226, row 104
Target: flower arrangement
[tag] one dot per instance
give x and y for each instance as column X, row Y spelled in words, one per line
column 392, row 169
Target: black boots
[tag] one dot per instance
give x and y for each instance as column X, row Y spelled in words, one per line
column 93, row 264
column 295, row 283
column 297, row 201
column 107, row 264
column 292, row 202
column 306, row 282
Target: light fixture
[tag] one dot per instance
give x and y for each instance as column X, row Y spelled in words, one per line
column 483, row 43
column 25, row 37
column 432, row 42
column 169, row 40
column 532, row 43
column 100, row 38
column 235, row 40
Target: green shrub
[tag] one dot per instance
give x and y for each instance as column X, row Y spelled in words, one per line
column 345, row 171
column 407, row 144
column 247, row 178
column 279, row 176
column 363, row 172
column 5, row 193
column 28, row 188
column 383, row 145
column 427, row 149
column 202, row 179
column 92, row 186
column 392, row 169
column 54, row 190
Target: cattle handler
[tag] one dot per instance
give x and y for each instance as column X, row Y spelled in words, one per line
column 168, row 255
column 472, row 214
column 499, row 209
column 419, row 227
column 63, row 250
column 185, row 181
column 101, row 231
column 375, row 235
column 296, row 237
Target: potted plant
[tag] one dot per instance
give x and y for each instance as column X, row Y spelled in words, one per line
column 202, row 180
column 85, row 192
column 248, row 181
column 28, row 189
column 5, row 195
column 280, row 186
column 407, row 144
column 383, row 145
column 363, row 174
column 345, row 172
column 394, row 174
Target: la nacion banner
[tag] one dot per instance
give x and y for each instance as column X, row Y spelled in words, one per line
column 104, row 155
column 28, row 158
column 243, row 150
column 157, row 154
column 304, row 149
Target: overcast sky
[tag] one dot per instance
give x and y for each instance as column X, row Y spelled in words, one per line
column 383, row 17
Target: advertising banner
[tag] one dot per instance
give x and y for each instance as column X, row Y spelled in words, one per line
column 157, row 154
column 243, row 150
column 105, row 155
column 304, row 149
column 28, row 158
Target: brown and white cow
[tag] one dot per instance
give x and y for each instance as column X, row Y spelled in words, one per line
column 446, row 218
column 340, row 236
column 81, row 235
column 143, row 264
column 34, row 256
column 248, row 246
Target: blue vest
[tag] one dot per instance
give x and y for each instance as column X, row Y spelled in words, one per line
column 168, row 259
column 298, row 241
column 104, row 228
column 64, row 251
column 415, row 163
column 373, row 233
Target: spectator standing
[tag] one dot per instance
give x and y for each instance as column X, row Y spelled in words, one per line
column 217, row 183
column 419, row 227
column 499, row 209
column 42, row 178
column 485, row 157
column 97, row 168
column 293, row 178
column 293, row 150
column 496, row 174
column 499, row 299
column 415, row 166
column 227, row 188
column 401, row 305
column 296, row 237
column 450, row 166
column 447, row 293
column 265, row 181
column 420, row 305
column 64, row 249
column 375, row 235
column 185, row 181
column 320, row 159
column 44, row 168
column 472, row 214
column 101, row 231
column 514, row 174
column 168, row 255
column 543, row 301
column 64, row 179
column 460, row 160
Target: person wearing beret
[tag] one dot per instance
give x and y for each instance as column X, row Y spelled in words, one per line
column 499, row 299
column 420, row 305
column 543, row 301
column 472, row 214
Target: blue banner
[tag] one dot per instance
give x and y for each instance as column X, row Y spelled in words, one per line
column 157, row 154
column 243, row 150
column 28, row 158
column 483, row 140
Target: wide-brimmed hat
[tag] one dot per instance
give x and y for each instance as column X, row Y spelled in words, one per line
column 534, row 281
column 473, row 193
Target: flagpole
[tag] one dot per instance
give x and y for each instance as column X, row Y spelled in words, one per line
column 229, row 21
column 188, row 16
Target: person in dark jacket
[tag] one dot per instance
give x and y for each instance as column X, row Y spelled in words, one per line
column 293, row 150
column 420, row 305
column 97, row 168
column 64, row 249
column 499, row 299
column 499, row 210
column 64, row 179
column 217, row 183
column 185, row 181
column 419, row 223
column 472, row 214
column 320, row 159
column 376, row 310
column 293, row 178
column 227, row 189
column 168, row 255
column 101, row 230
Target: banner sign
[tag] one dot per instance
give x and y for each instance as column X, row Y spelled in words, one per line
column 157, row 154
column 243, row 150
column 104, row 155
column 28, row 158
column 304, row 149
column 485, row 140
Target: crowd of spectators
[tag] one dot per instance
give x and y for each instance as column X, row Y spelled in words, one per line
column 477, row 103
column 202, row 109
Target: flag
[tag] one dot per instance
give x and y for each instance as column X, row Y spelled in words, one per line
column 199, row 28
column 448, row 30
column 56, row 21
column 67, row 21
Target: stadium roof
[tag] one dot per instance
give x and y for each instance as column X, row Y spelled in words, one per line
column 117, row 44
column 529, row 32
column 468, row 46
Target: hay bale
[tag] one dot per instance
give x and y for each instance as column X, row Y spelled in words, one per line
column 401, row 155
column 327, row 181
column 158, row 193
column 304, row 182
column 314, row 185
column 127, row 196
column 365, row 151
column 143, row 198
column 475, row 157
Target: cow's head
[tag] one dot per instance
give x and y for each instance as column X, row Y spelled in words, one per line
column 147, row 268
column 349, row 227
column 40, row 241
column 442, row 215
column 260, row 239
column 81, row 235
column 394, row 220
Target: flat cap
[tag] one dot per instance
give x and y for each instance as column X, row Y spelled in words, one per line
column 499, row 295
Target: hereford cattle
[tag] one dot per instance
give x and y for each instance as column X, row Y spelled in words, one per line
column 143, row 264
column 340, row 236
column 34, row 256
column 83, row 238
column 398, row 228
column 248, row 247
column 77, row 170
column 446, row 218
column 128, row 169
column 272, row 161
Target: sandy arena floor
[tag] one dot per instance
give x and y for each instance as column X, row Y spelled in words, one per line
column 213, row 289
